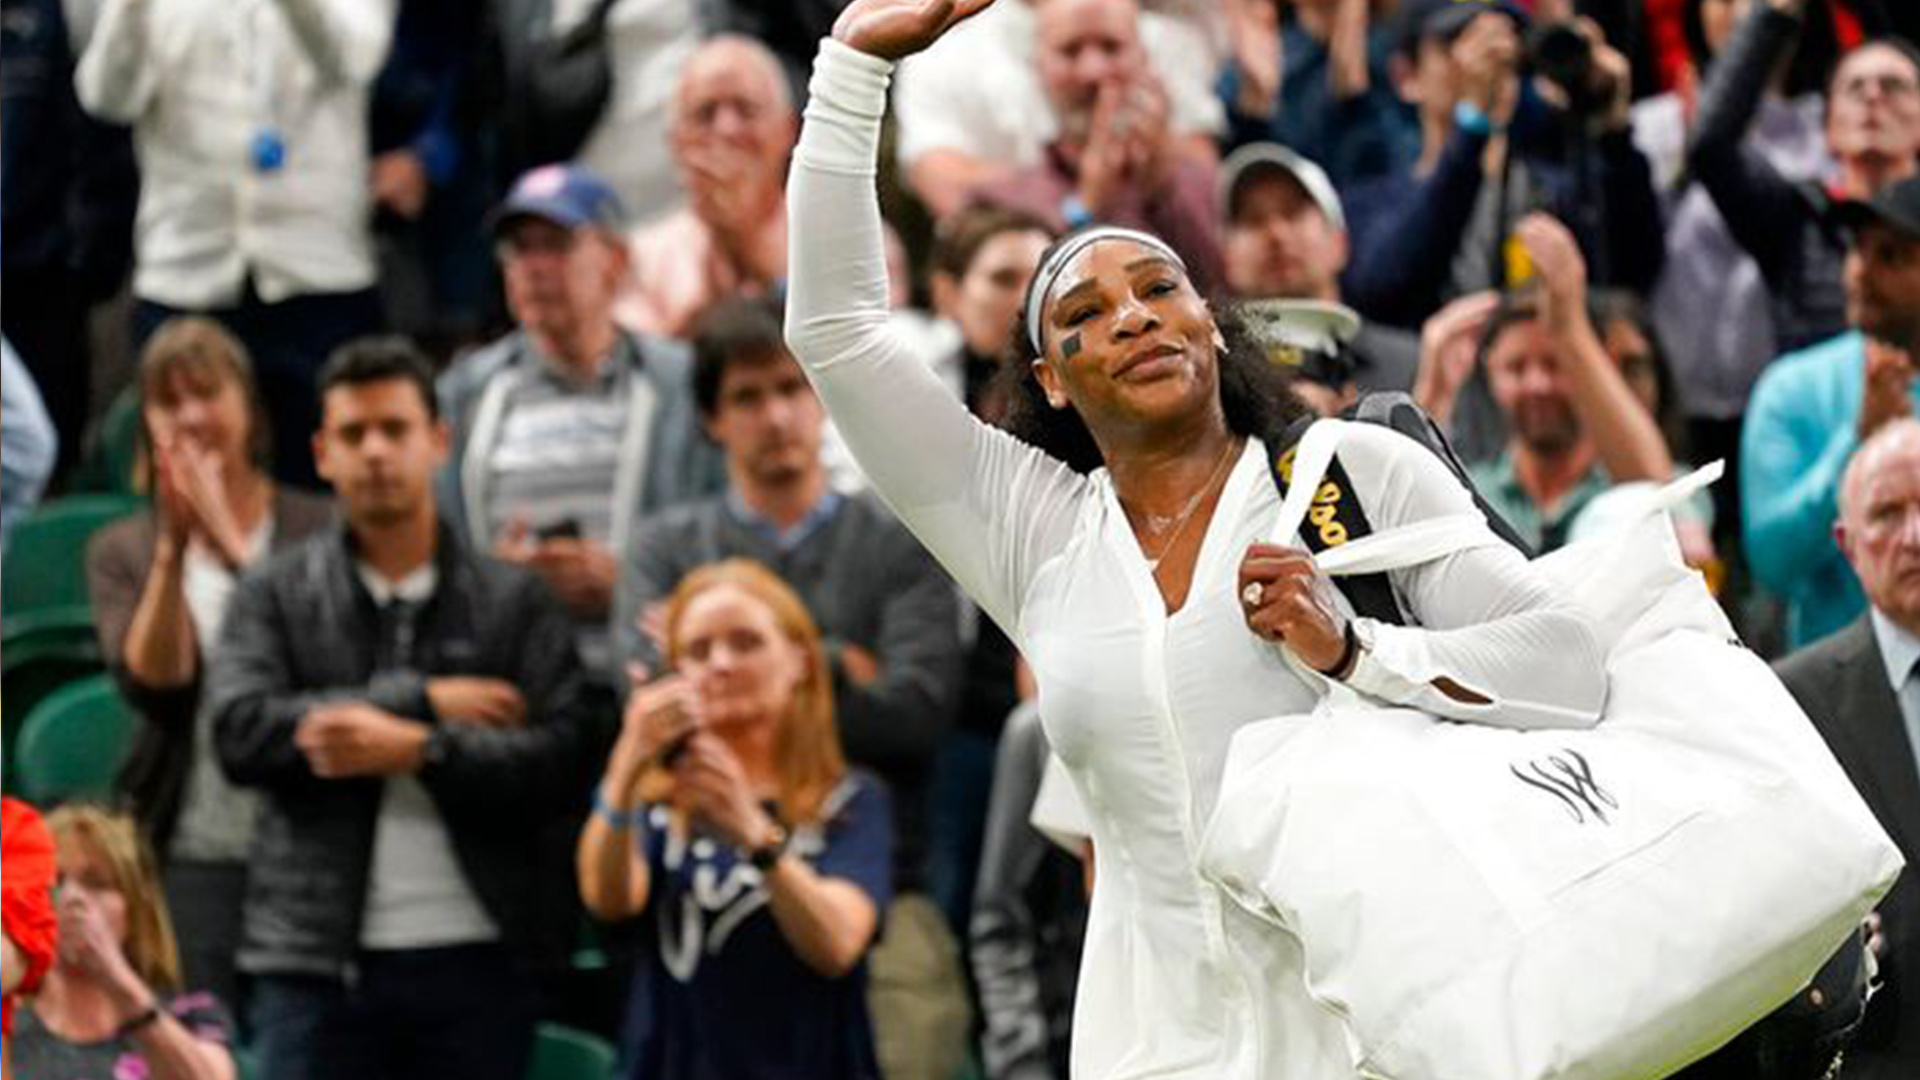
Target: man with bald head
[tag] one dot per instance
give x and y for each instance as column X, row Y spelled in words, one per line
column 1115, row 158
column 733, row 126
column 972, row 109
column 1861, row 686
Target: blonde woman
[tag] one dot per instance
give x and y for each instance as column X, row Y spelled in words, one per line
column 728, row 820
column 110, row 1005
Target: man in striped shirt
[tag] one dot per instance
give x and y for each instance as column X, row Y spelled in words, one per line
column 569, row 427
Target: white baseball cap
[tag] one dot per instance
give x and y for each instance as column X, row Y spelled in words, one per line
column 1254, row 159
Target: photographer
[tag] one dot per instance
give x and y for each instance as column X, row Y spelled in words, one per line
column 1873, row 132
column 1493, row 147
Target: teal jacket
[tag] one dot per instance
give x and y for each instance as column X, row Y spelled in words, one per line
column 1801, row 430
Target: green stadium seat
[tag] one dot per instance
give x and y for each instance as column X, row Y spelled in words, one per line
column 38, row 658
column 564, row 1053
column 46, row 565
column 73, row 742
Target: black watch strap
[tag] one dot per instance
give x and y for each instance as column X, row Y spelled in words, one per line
column 764, row 856
column 145, row 1018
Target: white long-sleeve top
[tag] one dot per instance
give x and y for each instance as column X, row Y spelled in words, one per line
column 1141, row 705
column 200, row 81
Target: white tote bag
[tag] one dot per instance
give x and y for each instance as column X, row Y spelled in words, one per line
column 1480, row 903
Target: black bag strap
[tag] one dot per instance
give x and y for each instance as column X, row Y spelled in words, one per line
column 1335, row 518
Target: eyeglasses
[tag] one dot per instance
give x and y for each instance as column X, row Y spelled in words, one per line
column 1888, row 86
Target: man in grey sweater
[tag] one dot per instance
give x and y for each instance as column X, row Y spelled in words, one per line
column 886, row 610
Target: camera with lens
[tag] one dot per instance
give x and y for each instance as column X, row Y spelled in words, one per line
column 1559, row 53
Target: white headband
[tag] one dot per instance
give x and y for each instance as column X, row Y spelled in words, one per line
column 1044, row 278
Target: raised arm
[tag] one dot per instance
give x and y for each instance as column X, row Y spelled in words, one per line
column 989, row 508
column 1630, row 444
column 1757, row 202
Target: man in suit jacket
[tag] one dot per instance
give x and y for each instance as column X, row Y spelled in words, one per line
column 1861, row 686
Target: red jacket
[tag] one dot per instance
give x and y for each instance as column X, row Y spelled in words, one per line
column 27, row 872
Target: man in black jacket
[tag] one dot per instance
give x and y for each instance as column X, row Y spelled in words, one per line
column 411, row 711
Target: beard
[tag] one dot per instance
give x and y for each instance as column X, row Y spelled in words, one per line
column 1547, row 428
column 1888, row 322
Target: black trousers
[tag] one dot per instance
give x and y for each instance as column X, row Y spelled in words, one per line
column 464, row 1011
column 45, row 318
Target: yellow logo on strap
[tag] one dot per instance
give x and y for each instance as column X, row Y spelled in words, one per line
column 1326, row 508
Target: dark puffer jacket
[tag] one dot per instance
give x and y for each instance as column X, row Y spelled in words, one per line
column 1785, row 226
column 302, row 630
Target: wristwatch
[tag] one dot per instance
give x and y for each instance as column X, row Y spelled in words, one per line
column 764, row 856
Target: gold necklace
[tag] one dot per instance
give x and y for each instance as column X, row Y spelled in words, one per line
column 1179, row 523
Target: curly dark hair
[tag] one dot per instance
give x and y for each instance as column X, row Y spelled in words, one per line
column 1256, row 396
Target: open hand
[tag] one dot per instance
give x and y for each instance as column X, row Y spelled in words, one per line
column 1562, row 269
column 1449, row 349
column 1888, row 393
column 196, row 473
column 891, row 29
column 1256, row 55
column 171, row 507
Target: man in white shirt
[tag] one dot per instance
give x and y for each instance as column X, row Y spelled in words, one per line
column 1861, row 686
column 250, row 126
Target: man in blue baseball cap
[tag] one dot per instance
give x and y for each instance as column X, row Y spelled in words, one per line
column 568, row 428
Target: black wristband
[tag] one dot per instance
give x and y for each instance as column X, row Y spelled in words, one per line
column 1347, row 654
column 145, row 1018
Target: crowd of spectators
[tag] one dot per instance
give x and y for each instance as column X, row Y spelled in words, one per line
column 396, row 742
